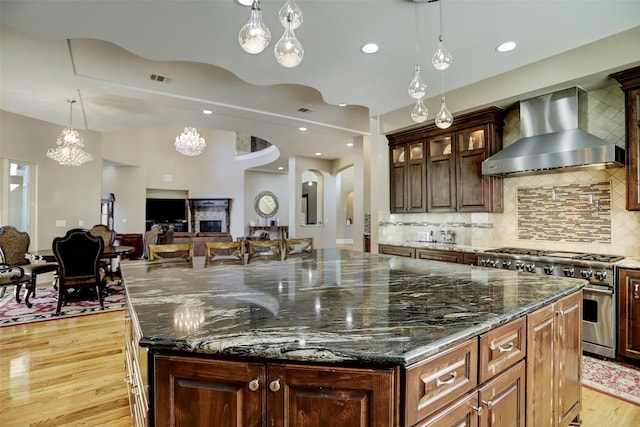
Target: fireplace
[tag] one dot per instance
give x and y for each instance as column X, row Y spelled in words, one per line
column 210, row 226
column 209, row 215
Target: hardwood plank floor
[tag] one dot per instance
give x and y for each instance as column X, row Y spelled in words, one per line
column 70, row 372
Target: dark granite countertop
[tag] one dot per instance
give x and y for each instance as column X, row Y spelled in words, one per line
column 333, row 307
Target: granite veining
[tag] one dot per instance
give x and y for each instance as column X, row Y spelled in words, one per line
column 334, row 306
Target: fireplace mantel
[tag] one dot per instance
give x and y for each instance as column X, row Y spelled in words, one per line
column 207, row 210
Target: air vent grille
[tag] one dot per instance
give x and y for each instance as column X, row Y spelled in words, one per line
column 304, row 110
column 160, row 78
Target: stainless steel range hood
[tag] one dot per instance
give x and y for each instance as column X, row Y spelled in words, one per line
column 553, row 139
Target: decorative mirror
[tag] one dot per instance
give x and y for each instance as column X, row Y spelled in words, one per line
column 266, row 204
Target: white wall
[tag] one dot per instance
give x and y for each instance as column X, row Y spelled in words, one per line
column 64, row 193
column 257, row 182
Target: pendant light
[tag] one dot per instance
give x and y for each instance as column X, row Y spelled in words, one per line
column 289, row 51
column 290, row 8
column 190, row 143
column 254, row 37
column 418, row 88
column 442, row 59
column 69, row 150
column 420, row 112
column 444, row 118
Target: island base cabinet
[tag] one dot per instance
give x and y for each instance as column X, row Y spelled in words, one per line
column 629, row 307
column 554, row 363
column 200, row 392
column 500, row 402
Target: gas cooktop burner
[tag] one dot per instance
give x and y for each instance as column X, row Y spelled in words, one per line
column 558, row 254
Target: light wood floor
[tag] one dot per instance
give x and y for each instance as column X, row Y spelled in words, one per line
column 70, row 372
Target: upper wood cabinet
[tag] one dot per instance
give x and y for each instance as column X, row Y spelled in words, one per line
column 408, row 175
column 630, row 80
column 453, row 165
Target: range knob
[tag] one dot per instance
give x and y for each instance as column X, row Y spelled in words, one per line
column 495, row 263
column 601, row 275
column 520, row 266
column 586, row 273
column 484, row 262
column 506, row 265
column 530, row 267
column 568, row 271
column 548, row 269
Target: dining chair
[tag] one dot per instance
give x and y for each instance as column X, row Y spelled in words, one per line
column 108, row 237
column 10, row 275
column 264, row 250
column 151, row 238
column 78, row 254
column 223, row 253
column 300, row 247
column 14, row 246
column 174, row 252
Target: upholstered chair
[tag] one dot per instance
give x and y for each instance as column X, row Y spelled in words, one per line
column 175, row 252
column 151, row 238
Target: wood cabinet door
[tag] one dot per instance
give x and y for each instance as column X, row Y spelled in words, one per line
column 629, row 305
column 192, row 393
column 473, row 190
column 541, row 332
column 441, row 174
column 309, row 396
column 503, row 399
column 569, row 357
column 470, row 259
column 463, row 413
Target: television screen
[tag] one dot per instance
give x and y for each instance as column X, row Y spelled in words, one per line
column 166, row 210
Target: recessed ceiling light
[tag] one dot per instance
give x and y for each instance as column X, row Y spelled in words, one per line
column 207, row 112
column 280, row 168
column 370, row 48
column 349, row 144
column 318, row 154
column 506, row 46
column 342, row 104
column 302, row 129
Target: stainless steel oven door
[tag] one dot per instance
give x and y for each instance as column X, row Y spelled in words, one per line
column 599, row 328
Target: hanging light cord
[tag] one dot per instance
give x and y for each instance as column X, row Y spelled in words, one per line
column 440, row 11
column 415, row 12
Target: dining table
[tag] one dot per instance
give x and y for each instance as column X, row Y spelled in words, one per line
column 109, row 252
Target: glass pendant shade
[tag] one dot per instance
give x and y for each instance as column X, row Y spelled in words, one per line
column 444, row 119
column 290, row 8
column 420, row 112
column 254, row 37
column 417, row 88
column 442, row 59
column 69, row 150
column 289, row 51
column 190, row 143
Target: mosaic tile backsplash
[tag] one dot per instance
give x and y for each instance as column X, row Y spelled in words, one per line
column 530, row 217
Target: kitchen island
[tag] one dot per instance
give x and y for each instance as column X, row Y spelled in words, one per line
column 342, row 338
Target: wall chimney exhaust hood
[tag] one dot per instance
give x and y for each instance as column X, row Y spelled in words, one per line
column 553, row 139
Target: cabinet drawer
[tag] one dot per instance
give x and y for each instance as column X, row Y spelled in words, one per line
column 397, row 250
column 439, row 380
column 444, row 256
column 502, row 347
column 463, row 413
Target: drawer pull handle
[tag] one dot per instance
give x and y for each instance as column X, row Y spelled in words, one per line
column 488, row 404
column 478, row 409
column 275, row 385
column 453, row 374
column 254, row 385
column 127, row 379
column 635, row 291
column 506, row 349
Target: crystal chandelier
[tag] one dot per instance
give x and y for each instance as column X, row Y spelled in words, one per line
column 190, row 143
column 69, row 150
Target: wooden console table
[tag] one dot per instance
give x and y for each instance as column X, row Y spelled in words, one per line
column 282, row 230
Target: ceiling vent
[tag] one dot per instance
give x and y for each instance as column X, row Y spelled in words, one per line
column 160, row 78
column 304, row 110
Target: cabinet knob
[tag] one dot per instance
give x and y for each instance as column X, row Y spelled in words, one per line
column 635, row 291
column 254, row 385
column 275, row 385
column 478, row 409
column 127, row 379
column 488, row 404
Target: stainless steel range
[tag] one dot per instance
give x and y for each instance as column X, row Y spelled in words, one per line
column 599, row 309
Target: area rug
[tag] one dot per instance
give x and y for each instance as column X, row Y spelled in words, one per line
column 45, row 301
column 611, row 378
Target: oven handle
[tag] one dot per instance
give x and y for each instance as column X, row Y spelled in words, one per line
column 607, row 291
